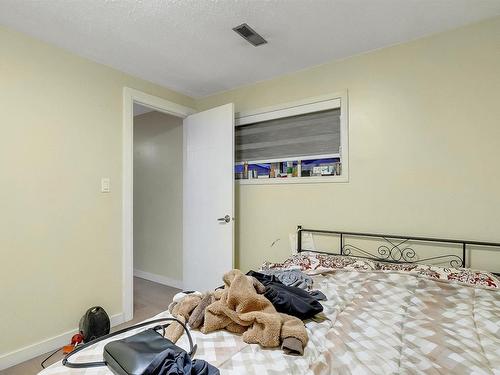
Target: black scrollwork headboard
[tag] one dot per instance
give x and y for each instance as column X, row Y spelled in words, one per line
column 397, row 248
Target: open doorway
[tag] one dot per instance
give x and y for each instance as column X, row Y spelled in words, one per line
column 157, row 209
column 207, row 196
column 143, row 103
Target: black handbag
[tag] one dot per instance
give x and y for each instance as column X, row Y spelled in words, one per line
column 136, row 354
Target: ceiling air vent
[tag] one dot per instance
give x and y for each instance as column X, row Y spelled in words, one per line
column 249, row 34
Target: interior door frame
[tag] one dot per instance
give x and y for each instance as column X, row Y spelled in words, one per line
column 158, row 104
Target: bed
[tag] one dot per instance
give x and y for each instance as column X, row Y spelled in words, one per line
column 388, row 311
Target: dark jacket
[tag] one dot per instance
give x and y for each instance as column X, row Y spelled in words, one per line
column 288, row 299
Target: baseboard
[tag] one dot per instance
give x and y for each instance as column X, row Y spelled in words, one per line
column 34, row 350
column 158, row 279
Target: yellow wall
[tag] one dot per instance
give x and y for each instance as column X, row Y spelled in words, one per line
column 60, row 238
column 158, row 195
column 424, row 122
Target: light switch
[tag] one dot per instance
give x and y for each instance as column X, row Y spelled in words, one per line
column 105, row 185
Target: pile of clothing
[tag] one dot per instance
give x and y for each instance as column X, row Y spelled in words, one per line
column 259, row 306
column 288, row 292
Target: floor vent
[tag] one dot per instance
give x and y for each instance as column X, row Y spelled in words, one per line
column 249, row 34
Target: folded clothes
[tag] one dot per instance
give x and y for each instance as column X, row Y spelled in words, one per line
column 288, row 299
column 292, row 277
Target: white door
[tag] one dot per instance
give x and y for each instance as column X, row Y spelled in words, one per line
column 208, row 197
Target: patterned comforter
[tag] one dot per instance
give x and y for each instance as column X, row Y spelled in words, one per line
column 377, row 320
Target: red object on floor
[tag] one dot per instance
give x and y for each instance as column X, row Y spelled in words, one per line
column 75, row 340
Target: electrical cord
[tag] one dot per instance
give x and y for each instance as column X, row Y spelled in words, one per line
column 50, row 355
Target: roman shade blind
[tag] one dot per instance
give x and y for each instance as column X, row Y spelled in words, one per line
column 311, row 134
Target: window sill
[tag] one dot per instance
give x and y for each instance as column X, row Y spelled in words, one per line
column 293, row 180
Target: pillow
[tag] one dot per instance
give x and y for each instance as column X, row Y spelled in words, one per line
column 311, row 261
column 307, row 260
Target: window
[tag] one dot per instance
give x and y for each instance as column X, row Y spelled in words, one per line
column 304, row 142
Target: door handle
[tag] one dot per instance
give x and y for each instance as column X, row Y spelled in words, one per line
column 225, row 219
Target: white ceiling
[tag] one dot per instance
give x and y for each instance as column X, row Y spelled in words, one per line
column 188, row 45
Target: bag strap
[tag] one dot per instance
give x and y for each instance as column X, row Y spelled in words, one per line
column 65, row 362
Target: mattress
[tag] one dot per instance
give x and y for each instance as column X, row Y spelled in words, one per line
column 377, row 319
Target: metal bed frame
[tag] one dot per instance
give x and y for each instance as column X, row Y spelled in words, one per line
column 397, row 248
